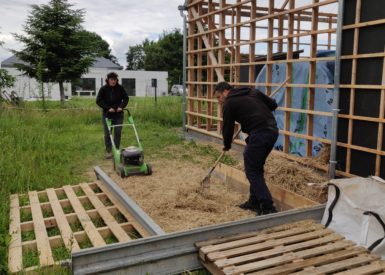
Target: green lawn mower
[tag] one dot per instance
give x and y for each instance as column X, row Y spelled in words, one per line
column 130, row 160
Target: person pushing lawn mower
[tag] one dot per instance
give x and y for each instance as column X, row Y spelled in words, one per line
column 112, row 98
column 253, row 110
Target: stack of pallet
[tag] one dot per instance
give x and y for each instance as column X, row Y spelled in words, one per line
column 304, row 247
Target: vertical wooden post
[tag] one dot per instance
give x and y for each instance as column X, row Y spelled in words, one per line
column 289, row 72
column 199, row 72
column 221, row 56
column 238, row 40
column 269, row 57
column 280, row 33
column 253, row 11
column 380, row 124
column 210, row 71
column 298, row 31
column 353, row 89
column 312, row 79
column 191, row 72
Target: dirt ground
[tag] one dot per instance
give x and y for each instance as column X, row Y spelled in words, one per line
column 171, row 197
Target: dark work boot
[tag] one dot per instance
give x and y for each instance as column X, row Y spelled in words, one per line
column 250, row 205
column 267, row 207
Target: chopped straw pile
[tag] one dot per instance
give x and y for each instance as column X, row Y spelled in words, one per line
column 171, row 195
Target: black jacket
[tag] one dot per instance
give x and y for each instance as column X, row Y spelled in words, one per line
column 249, row 107
column 112, row 97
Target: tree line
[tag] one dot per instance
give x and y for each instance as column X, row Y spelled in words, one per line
column 57, row 48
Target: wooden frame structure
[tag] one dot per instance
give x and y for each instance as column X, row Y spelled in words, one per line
column 227, row 39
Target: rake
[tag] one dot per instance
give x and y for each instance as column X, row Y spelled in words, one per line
column 206, row 181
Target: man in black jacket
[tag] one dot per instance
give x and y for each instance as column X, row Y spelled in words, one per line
column 112, row 98
column 253, row 110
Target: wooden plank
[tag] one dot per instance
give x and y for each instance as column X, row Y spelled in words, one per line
column 268, row 262
column 268, row 244
column 92, row 233
column 301, row 264
column 43, row 245
column 108, row 219
column 15, row 259
column 372, row 268
column 338, row 266
column 352, row 90
column 143, row 232
column 61, row 221
column 260, row 238
column 254, row 233
column 380, row 131
column 280, row 194
column 277, row 255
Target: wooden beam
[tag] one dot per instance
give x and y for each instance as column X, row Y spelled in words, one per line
column 207, row 44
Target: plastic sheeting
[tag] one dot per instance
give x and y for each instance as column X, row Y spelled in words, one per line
column 298, row 121
column 356, row 210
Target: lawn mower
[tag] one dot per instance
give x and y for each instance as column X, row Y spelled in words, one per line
column 130, row 160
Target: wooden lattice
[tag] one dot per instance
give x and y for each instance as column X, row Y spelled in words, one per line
column 228, row 39
column 47, row 226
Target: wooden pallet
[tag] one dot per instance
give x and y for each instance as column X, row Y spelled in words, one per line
column 304, row 247
column 48, row 224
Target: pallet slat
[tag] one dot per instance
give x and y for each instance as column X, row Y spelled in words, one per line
column 84, row 219
column 43, row 245
column 15, row 259
column 64, row 227
column 110, row 221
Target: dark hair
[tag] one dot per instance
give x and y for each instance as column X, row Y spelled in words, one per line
column 222, row 86
column 111, row 75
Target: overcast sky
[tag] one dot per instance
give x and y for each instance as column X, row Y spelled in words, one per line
column 121, row 23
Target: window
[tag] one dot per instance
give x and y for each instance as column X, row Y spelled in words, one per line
column 85, row 87
column 129, row 85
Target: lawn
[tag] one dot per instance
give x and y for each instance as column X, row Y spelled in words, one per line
column 58, row 146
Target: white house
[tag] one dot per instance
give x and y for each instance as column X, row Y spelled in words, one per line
column 136, row 83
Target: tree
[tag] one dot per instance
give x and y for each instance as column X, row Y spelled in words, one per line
column 55, row 37
column 135, row 57
column 166, row 55
column 6, row 80
column 99, row 46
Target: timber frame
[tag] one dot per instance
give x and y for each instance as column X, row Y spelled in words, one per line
column 227, row 39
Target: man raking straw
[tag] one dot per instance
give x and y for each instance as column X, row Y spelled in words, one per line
column 253, row 110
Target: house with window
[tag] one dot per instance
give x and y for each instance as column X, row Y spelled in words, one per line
column 136, row 83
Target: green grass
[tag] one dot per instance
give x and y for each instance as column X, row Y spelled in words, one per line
column 53, row 231
column 98, row 222
column 25, row 215
column 76, row 226
column 86, row 243
column 61, row 253
column 27, row 236
column 43, row 198
column 120, row 218
column 30, row 258
column 111, row 239
column 49, row 149
column 68, row 209
column 47, row 212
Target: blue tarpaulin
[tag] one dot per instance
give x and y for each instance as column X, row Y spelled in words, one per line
column 323, row 101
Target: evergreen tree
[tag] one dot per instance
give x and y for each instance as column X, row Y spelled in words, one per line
column 55, row 37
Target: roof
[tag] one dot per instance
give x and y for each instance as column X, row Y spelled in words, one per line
column 100, row 62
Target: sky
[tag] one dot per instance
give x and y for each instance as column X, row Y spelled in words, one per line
column 122, row 23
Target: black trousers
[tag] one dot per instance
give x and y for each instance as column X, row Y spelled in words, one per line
column 117, row 131
column 259, row 145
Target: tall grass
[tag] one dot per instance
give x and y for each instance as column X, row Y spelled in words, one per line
column 42, row 149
